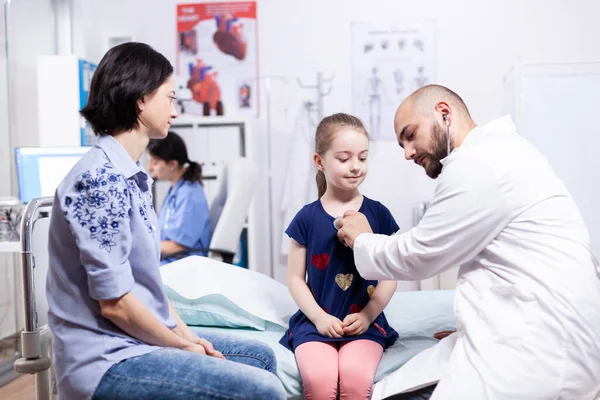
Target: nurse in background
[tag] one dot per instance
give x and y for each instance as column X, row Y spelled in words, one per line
column 183, row 220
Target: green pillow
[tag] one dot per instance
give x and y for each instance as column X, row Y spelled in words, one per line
column 213, row 310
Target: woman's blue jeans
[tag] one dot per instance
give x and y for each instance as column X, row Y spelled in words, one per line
column 247, row 373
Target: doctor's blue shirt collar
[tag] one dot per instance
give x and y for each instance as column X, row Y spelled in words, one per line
column 119, row 157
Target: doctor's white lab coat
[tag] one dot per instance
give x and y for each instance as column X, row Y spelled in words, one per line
column 528, row 294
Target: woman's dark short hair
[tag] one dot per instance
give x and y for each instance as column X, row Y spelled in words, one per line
column 126, row 74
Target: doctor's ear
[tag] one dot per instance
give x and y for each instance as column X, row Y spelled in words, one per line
column 446, row 113
column 318, row 162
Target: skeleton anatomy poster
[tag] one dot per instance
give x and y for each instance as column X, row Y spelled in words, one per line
column 389, row 62
column 217, row 64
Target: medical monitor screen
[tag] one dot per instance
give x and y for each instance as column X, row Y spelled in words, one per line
column 41, row 169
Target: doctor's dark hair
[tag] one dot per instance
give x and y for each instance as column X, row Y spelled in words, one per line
column 173, row 147
column 126, row 74
column 326, row 131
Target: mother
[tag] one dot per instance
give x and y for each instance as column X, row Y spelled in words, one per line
column 116, row 334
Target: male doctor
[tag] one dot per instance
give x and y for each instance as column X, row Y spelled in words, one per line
column 528, row 294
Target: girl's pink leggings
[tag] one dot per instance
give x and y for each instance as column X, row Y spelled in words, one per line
column 352, row 364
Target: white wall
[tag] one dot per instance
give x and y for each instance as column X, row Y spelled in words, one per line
column 7, row 315
column 30, row 26
column 477, row 42
column 31, row 33
column 5, row 153
column 572, row 90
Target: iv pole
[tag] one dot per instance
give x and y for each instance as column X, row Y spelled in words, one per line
column 320, row 93
column 311, row 107
column 268, row 83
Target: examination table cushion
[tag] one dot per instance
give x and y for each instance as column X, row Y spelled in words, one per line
column 218, row 297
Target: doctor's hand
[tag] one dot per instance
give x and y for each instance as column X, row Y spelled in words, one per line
column 329, row 326
column 355, row 324
column 350, row 226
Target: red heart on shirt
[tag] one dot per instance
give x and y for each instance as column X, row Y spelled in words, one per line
column 354, row 308
column 383, row 332
column 320, row 261
column 326, row 310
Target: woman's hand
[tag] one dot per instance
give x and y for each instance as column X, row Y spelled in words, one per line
column 329, row 326
column 355, row 324
column 204, row 348
column 195, row 348
column 209, row 349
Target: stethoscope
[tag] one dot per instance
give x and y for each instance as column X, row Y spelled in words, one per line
column 447, row 131
column 448, row 150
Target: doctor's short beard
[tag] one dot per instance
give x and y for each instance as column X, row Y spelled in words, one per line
column 440, row 151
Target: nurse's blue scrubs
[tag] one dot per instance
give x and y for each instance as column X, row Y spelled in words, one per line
column 184, row 217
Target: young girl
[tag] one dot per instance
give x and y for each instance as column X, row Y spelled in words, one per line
column 340, row 332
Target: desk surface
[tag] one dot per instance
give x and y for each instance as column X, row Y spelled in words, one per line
column 10, row 247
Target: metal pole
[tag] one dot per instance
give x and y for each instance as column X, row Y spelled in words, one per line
column 27, row 260
column 8, row 95
column 34, row 343
column 42, row 378
column 319, row 96
column 63, row 22
column 270, row 181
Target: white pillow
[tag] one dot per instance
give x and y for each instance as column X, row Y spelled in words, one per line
column 212, row 293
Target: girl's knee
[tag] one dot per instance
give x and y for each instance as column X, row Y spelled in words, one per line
column 318, row 365
column 317, row 388
column 355, row 384
column 320, row 384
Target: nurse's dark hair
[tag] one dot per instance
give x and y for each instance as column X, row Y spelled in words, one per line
column 171, row 148
column 325, row 134
column 126, row 74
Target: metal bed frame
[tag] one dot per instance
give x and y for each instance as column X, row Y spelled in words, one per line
column 36, row 337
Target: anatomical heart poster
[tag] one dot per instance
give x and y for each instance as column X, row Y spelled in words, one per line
column 217, row 59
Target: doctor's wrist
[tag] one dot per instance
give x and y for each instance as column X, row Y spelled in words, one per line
column 358, row 239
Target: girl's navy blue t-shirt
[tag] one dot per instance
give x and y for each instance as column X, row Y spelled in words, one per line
column 332, row 276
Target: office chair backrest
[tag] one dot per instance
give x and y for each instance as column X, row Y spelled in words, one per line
column 229, row 209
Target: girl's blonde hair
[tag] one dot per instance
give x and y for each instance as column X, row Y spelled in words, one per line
column 326, row 130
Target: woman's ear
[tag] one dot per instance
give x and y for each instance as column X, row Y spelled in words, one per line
column 173, row 164
column 318, row 162
column 140, row 104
